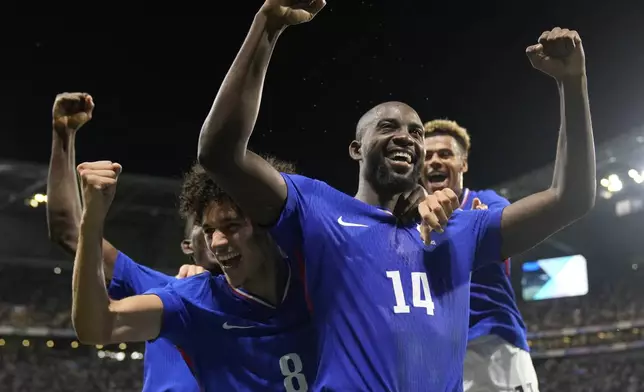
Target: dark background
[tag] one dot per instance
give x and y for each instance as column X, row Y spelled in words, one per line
column 153, row 79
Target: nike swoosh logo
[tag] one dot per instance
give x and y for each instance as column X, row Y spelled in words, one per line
column 347, row 224
column 228, row 326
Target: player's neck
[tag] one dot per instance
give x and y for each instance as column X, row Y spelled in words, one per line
column 368, row 194
column 270, row 281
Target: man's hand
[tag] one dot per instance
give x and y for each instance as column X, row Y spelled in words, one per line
column 559, row 54
column 188, row 270
column 477, row 204
column 98, row 181
column 71, row 111
column 283, row 13
column 434, row 212
column 406, row 208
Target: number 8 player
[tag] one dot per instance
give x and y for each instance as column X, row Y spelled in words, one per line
column 245, row 330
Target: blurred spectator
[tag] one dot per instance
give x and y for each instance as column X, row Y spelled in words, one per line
column 34, row 369
column 41, row 297
column 605, row 373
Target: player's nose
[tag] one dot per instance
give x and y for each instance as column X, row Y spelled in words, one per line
column 403, row 139
column 435, row 162
column 219, row 242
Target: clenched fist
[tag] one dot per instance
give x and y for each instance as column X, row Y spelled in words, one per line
column 98, row 180
column 559, row 54
column 285, row 13
column 435, row 211
column 71, row 111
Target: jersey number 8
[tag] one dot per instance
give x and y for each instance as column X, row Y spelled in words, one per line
column 291, row 368
column 421, row 296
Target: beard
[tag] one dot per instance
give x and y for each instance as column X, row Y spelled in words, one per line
column 385, row 180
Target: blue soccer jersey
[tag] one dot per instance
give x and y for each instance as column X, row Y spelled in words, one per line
column 391, row 313
column 164, row 368
column 493, row 307
column 238, row 342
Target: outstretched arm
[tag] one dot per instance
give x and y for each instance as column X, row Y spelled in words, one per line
column 258, row 188
column 70, row 112
column 572, row 193
column 96, row 318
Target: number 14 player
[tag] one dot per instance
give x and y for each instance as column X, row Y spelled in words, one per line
column 391, row 312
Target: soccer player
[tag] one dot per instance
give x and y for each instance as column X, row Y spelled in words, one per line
column 498, row 354
column 163, row 367
column 390, row 311
column 248, row 329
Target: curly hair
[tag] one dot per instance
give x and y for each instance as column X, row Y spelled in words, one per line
column 450, row 128
column 199, row 190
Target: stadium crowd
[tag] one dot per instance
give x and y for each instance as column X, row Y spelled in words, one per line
column 42, row 299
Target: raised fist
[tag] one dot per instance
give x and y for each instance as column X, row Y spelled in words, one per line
column 559, row 54
column 71, row 111
column 435, row 211
column 284, row 13
column 98, row 180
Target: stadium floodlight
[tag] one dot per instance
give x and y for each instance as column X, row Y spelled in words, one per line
column 637, row 176
column 614, row 183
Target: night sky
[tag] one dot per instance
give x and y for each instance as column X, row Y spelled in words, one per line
column 153, row 79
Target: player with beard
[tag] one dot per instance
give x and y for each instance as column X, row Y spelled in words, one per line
column 248, row 329
column 391, row 310
column 498, row 353
column 164, row 369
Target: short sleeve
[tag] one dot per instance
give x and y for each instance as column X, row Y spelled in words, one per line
column 130, row 278
column 181, row 299
column 287, row 231
column 487, row 226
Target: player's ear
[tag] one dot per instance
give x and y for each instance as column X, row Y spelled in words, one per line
column 186, row 247
column 465, row 165
column 355, row 150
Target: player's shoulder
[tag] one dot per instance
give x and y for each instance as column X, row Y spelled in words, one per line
column 125, row 268
column 471, row 219
column 195, row 285
column 307, row 185
column 489, row 197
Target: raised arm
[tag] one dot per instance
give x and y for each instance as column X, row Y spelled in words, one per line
column 572, row 194
column 71, row 111
column 96, row 318
column 257, row 187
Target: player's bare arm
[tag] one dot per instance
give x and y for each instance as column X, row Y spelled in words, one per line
column 70, row 112
column 96, row 318
column 259, row 189
column 529, row 221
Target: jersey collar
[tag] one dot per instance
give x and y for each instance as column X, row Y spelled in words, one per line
column 258, row 300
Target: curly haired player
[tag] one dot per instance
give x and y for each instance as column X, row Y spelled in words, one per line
column 248, row 329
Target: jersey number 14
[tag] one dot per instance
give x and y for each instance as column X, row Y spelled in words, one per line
column 421, row 296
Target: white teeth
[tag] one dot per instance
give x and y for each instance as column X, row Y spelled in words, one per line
column 227, row 256
column 404, row 155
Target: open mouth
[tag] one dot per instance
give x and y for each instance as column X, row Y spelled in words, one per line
column 437, row 179
column 229, row 260
column 400, row 158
